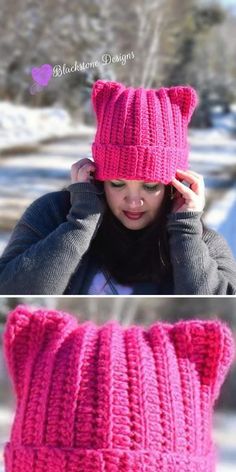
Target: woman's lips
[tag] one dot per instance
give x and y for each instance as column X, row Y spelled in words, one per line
column 133, row 215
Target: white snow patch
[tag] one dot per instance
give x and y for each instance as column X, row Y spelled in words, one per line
column 24, row 126
column 216, row 215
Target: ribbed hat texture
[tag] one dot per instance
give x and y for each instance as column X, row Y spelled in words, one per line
column 141, row 133
column 110, row 398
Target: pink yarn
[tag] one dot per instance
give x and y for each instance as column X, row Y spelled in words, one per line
column 141, row 133
column 110, row 398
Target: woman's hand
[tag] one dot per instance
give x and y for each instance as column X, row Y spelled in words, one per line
column 81, row 170
column 190, row 198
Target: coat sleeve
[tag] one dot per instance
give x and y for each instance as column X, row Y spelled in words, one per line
column 46, row 247
column 202, row 262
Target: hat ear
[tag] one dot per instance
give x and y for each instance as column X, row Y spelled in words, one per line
column 101, row 92
column 187, row 99
column 24, row 333
column 97, row 89
column 209, row 346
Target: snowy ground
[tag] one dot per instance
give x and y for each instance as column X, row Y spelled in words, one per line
column 26, row 175
column 24, row 127
column 224, row 435
column 213, row 154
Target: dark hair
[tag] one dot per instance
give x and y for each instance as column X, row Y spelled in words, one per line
column 134, row 255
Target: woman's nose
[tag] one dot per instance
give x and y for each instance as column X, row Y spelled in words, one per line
column 134, row 201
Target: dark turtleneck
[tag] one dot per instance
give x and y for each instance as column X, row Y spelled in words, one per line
column 128, row 255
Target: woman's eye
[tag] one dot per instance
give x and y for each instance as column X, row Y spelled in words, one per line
column 151, row 188
column 117, row 185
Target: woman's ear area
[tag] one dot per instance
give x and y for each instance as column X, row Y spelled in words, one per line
column 99, row 185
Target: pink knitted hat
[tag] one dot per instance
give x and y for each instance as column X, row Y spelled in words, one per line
column 141, row 133
column 111, row 398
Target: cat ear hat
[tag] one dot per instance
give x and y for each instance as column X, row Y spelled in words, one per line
column 141, row 133
column 112, row 398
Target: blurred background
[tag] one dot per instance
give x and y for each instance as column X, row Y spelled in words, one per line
column 44, row 129
column 145, row 311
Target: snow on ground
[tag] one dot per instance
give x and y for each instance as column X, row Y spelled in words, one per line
column 213, row 154
column 222, row 217
column 26, row 176
column 225, row 437
column 26, row 127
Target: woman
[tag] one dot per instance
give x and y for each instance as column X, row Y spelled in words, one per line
column 133, row 227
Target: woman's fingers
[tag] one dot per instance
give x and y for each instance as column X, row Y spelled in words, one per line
column 182, row 189
column 80, row 170
column 190, row 176
column 189, row 171
column 195, row 181
column 193, row 193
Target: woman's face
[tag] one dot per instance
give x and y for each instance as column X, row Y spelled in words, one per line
column 135, row 203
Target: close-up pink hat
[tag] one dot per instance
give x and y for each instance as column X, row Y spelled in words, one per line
column 111, row 398
column 141, row 133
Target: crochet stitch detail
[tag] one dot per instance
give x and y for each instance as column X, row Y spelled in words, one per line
column 141, row 133
column 112, row 398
